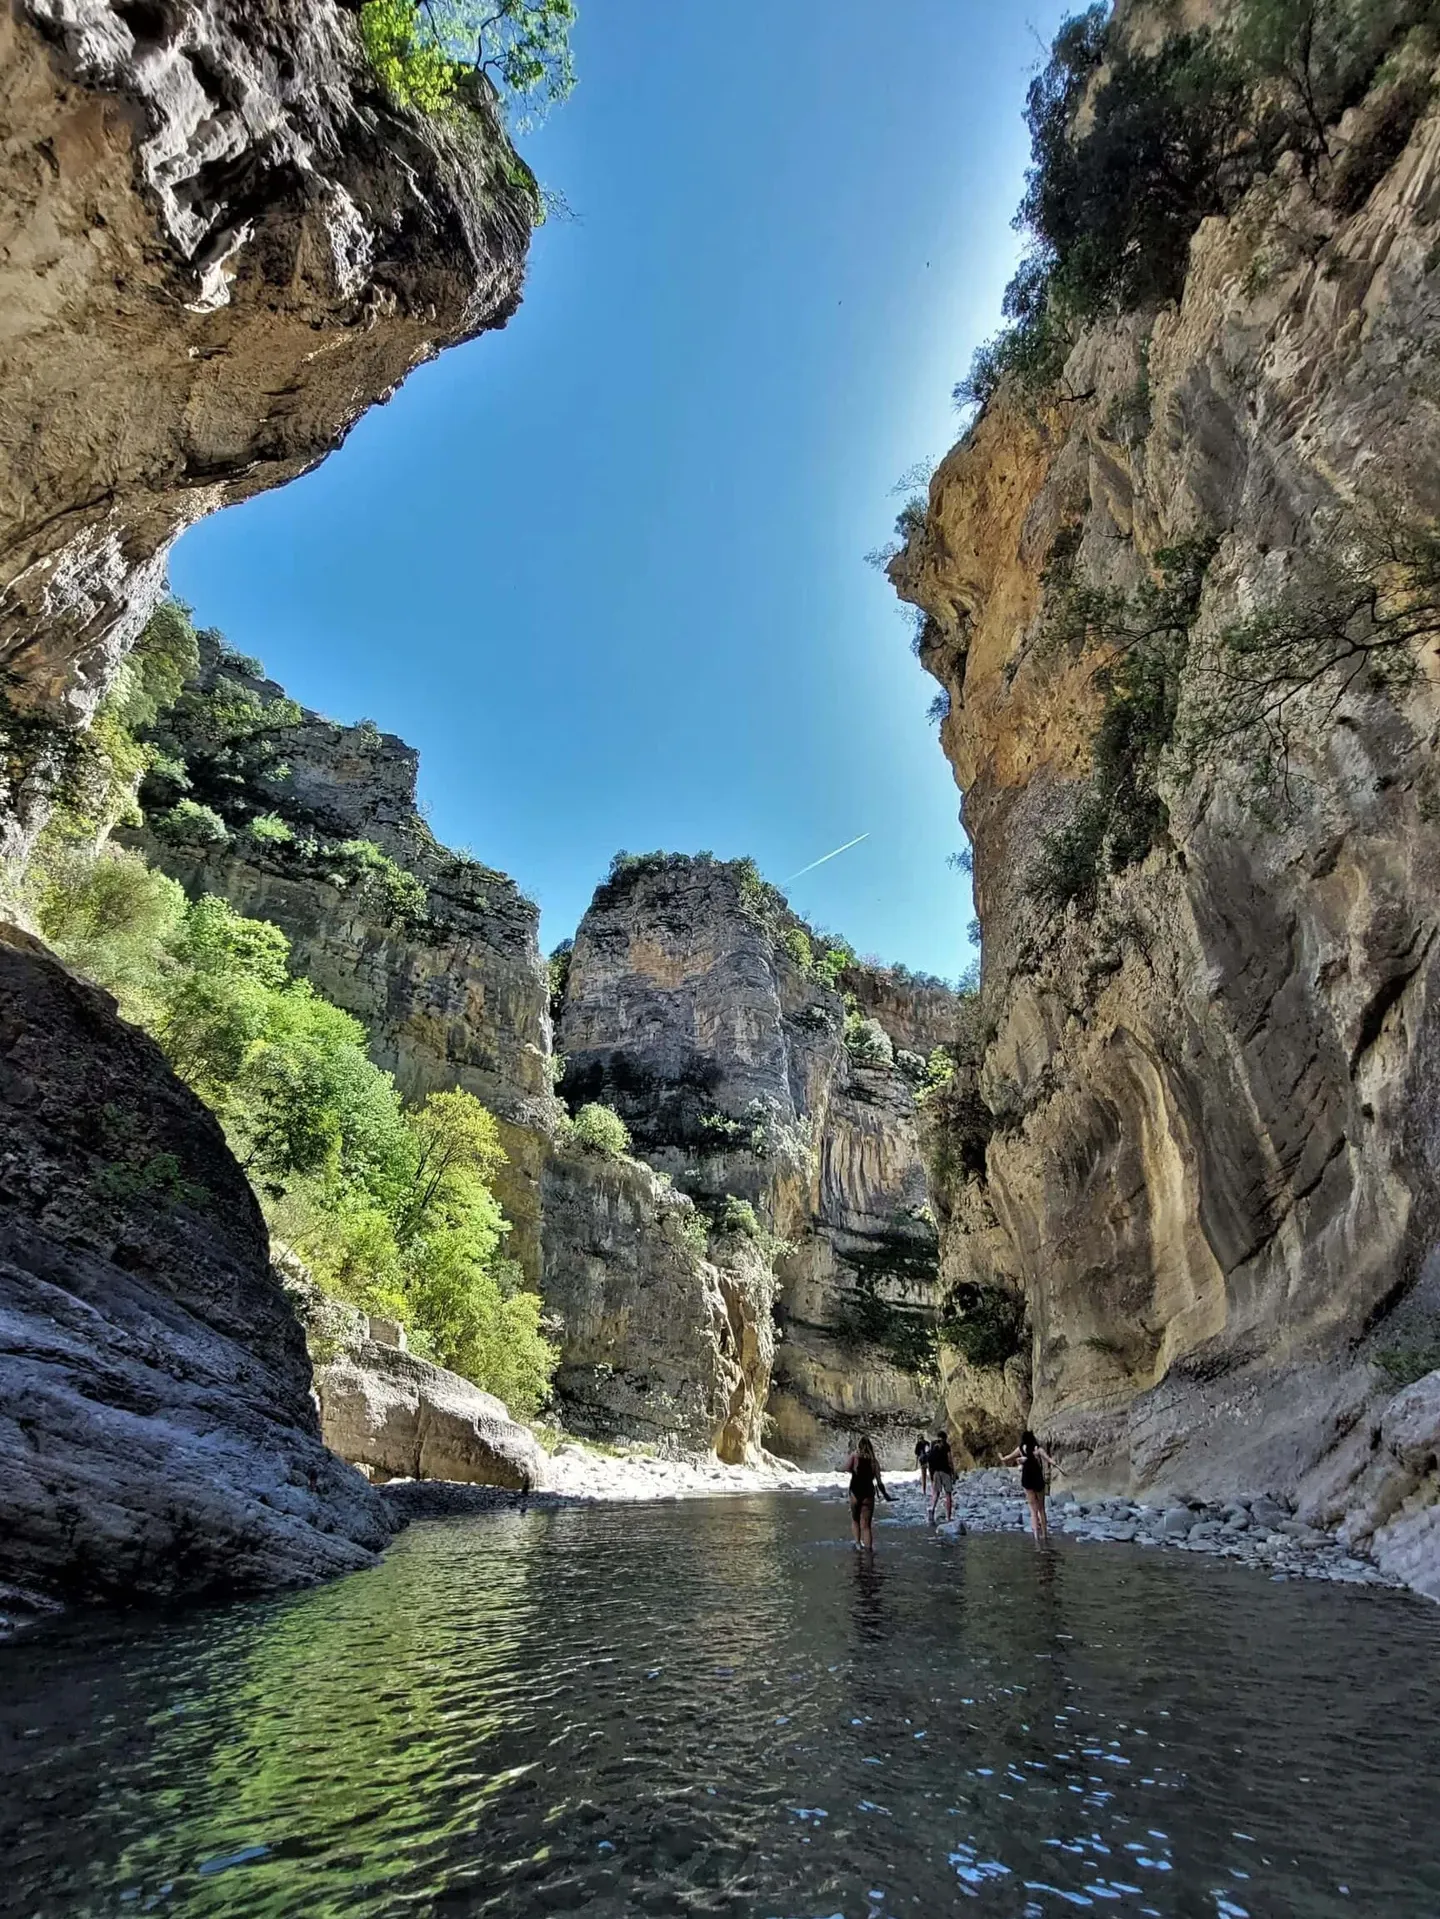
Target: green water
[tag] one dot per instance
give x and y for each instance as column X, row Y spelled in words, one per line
column 720, row 1708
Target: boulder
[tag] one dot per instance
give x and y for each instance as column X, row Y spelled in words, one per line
column 399, row 1417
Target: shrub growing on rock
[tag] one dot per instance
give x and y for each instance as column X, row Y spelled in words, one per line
column 192, row 823
column 867, row 1042
column 599, row 1129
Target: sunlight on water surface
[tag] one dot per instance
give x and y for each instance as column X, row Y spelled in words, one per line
column 721, row 1709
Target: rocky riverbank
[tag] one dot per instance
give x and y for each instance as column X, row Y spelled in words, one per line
column 1262, row 1532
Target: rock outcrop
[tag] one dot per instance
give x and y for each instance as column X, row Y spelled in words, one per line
column 221, row 244
column 439, row 959
column 724, row 1050
column 399, row 1417
column 157, row 1434
column 1201, row 1135
column 662, row 1338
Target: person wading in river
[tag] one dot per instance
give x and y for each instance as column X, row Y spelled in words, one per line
column 942, row 1476
column 922, row 1457
column 864, row 1470
column 1033, row 1460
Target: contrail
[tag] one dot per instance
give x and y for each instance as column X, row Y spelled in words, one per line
column 827, row 856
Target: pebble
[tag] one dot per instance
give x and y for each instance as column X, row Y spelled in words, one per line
column 1262, row 1532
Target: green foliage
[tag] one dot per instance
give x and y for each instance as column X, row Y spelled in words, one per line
column 110, row 916
column 1109, row 211
column 428, row 54
column 191, row 823
column 559, row 972
column 599, row 1129
column 414, row 70
column 1146, row 636
column 939, row 1068
column 1358, row 613
column 694, row 1232
column 246, row 665
column 867, row 1042
column 401, row 894
column 831, row 961
column 154, row 673
column 911, row 518
column 1322, row 53
column 985, row 1324
column 1403, row 1365
column 797, row 944
column 270, row 830
column 738, row 1216
column 392, row 1210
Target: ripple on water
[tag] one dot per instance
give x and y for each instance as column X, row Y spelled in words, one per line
column 708, row 1709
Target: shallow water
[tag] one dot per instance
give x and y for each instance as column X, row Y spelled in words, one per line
column 720, row 1708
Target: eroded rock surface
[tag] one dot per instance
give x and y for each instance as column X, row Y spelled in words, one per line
column 157, row 1435
column 1208, row 1133
column 662, row 1339
column 218, row 245
column 402, row 1418
column 686, row 1012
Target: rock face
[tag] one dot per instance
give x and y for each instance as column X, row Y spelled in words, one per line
column 402, row 1418
column 221, row 244
column 449, row 984
column 661, row 1338
column 1202, row 1133
column 157, row 1435
column 686, row 1011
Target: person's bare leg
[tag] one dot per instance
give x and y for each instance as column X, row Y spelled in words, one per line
column 949, row 1505
column 1037, row 1521
column 867, row 1529
column 1042, row 1515
column 855, row 1522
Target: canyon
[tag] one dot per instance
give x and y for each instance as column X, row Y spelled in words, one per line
column 1164, row 1188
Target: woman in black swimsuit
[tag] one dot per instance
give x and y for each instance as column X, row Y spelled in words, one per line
column 1033, row 1460
column 864, row 1471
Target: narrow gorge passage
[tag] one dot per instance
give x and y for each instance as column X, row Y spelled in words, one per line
column 441, row 1284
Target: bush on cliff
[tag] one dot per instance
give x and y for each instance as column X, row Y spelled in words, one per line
column 1131, row 149
column 599, row 1129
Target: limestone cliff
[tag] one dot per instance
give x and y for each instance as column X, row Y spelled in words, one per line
column 436, row 954
column 157, row 1432
column 1200, row 1137
column 723, row 1047
column 220, row 245
column 663, row 1338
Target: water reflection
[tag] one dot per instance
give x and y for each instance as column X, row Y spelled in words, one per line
column 724, row 1710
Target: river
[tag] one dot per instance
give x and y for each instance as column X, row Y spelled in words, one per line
column 719, row 1708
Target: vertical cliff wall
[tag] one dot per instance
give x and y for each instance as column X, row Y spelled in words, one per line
column 1200, row 1135
column 218, row 245
column 437, row 954
column 724, row 1050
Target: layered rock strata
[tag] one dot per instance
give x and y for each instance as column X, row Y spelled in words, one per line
column 447, row 979
column 157, row 1434
column 1202, row 1131
column 221, row 243
column 725, row 1054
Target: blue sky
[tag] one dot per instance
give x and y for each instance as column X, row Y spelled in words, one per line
column 605, row 569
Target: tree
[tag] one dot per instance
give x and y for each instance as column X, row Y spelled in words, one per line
column 427, row 51
column 1323, row 52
